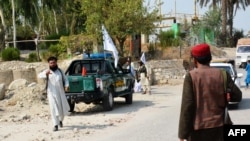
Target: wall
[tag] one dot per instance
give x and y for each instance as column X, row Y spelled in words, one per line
column 164, row 71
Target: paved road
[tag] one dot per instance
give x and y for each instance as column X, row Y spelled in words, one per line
column 157, row 122
column 160, row 121
column 241, row 115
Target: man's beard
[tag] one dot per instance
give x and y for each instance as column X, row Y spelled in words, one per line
column 54, row 68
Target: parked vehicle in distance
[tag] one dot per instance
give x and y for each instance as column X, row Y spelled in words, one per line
column 242, row 52
column 231, row 70
column 95, row 79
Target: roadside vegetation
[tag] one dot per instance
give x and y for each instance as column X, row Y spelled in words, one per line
column 65, row 28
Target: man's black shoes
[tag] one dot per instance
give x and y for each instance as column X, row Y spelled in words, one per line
column 61, row 124
column 55, row 128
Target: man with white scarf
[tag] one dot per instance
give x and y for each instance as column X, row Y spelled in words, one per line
column 57, row 84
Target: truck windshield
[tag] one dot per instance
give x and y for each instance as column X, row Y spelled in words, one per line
column 243, row 49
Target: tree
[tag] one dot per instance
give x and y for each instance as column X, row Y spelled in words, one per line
column 224, row 4
column 212, row 21
column 224, row 21
column 205, row 3
column 228, row 8
column 14, row 22
column 121, row 19
column 3, row 3
column 233, row 6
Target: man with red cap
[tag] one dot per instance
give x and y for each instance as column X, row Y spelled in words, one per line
column 204, row 99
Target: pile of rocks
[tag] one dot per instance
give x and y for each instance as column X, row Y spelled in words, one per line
column 19, row 85
column 23, row 94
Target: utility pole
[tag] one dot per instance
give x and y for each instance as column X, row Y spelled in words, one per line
column 195, row 18
column 160, row 14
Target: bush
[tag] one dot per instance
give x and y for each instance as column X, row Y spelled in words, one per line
column 166, row 38
column 54, row 50
column 32, row 57
column 10, row 54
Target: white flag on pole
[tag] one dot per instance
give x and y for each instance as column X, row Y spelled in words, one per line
column 143, row 58
column 109, row 45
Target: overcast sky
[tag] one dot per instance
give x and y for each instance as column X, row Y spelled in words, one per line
column 241, row 20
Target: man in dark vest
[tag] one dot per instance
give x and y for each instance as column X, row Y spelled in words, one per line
column 204, row 99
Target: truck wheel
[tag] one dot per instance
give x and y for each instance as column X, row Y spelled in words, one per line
column 108, row 102
column 71, row 105
column 129, row 98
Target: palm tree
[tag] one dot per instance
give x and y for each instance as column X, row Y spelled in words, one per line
column 223, row 38
column 228, row 12
column 223, row 14
column 205, row 3
column 237, row 4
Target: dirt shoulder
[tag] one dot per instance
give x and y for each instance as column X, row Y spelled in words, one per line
column 34, row 123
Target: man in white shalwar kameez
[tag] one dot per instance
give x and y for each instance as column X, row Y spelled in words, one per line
column 57, row 83
column 144, row 77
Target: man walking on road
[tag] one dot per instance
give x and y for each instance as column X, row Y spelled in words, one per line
column 247, row 79
column 204, row 99
column 56, row 84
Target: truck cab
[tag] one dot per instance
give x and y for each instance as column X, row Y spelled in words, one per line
column 95, row 79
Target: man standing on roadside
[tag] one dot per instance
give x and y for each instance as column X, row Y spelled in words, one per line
column 144, row 78
column 56, row 84
column 204, row 99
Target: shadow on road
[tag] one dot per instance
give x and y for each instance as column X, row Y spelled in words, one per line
column 82, row 127
column 119, row 107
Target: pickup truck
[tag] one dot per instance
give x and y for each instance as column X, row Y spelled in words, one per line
column 97, row 80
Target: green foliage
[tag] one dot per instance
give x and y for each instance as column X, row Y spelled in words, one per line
column 207, row 29
column 46, row 54
column 25, row 32
column 78, row 43
column 167, row 39
column 9, row 54
column 56, row 50
column 52, row 37
column 237, row 34
column 121, row 19
column 32, row 57
column 42, row 45
column 212, row 19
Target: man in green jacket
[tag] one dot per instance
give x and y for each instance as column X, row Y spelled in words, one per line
column 204, row 99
